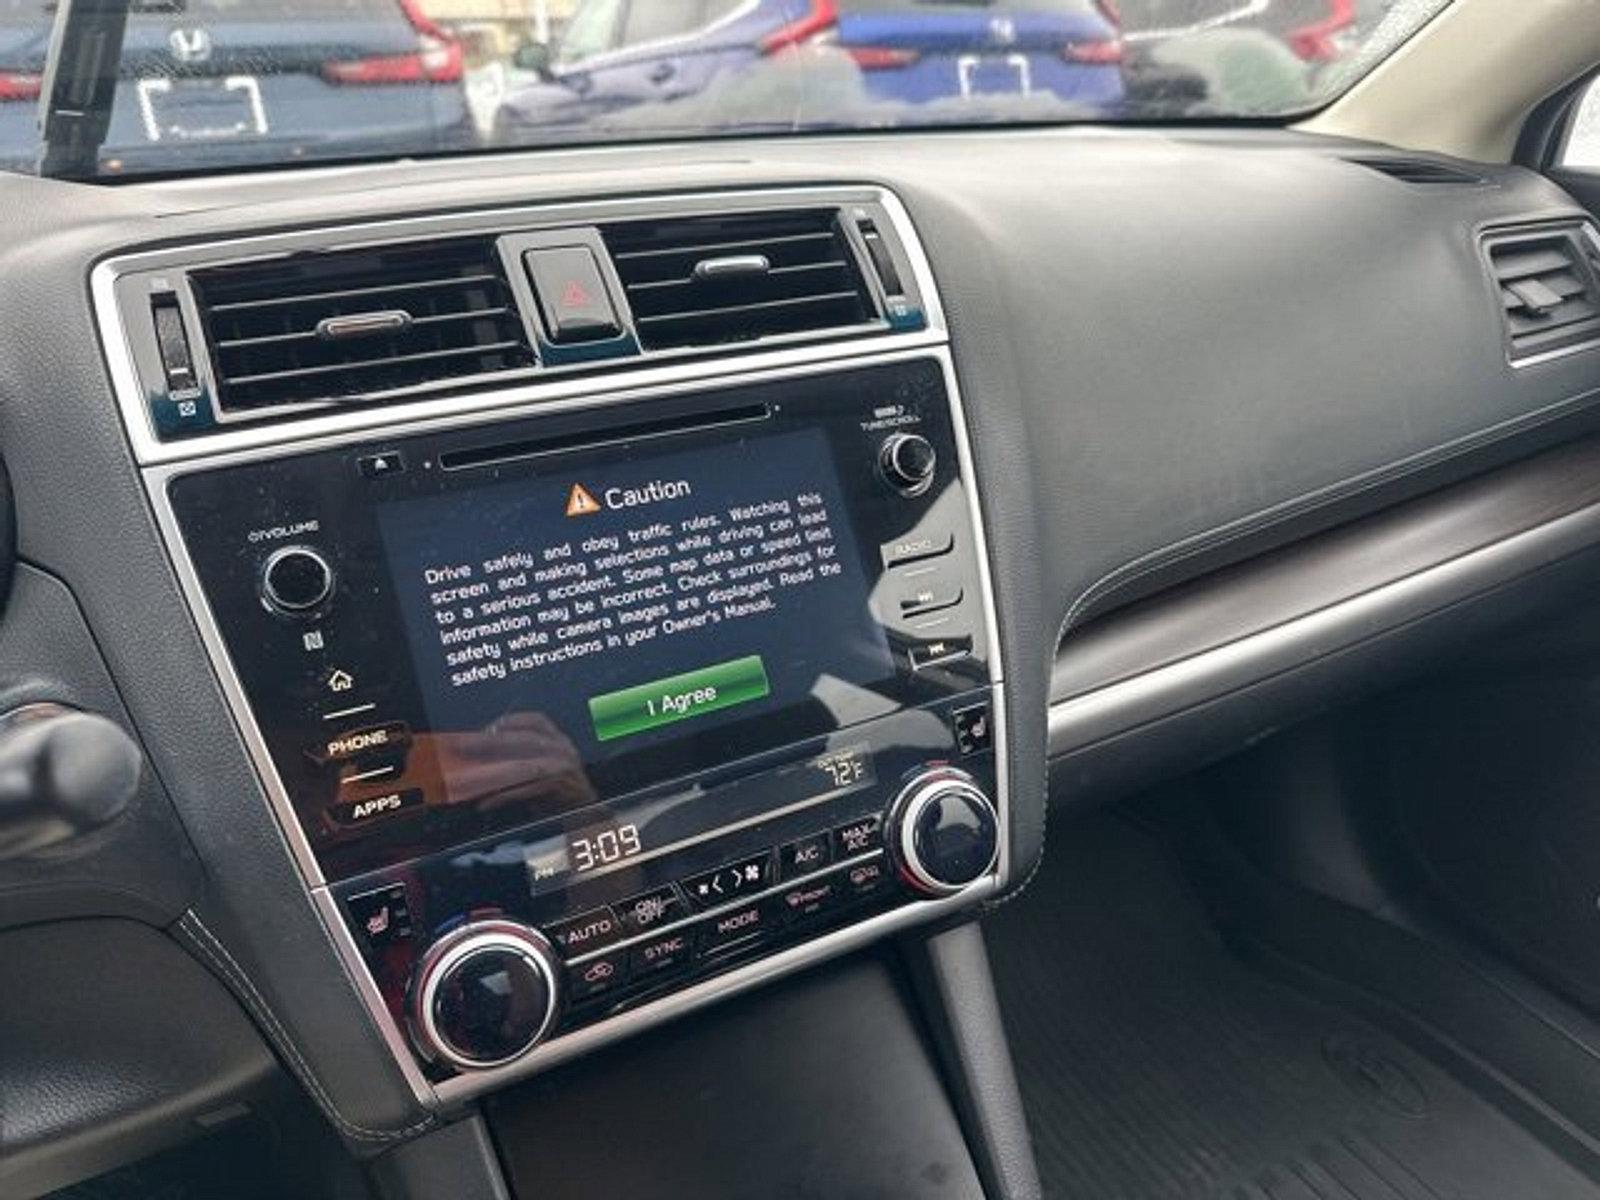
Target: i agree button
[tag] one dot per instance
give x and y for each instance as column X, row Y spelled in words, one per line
column 678, row 697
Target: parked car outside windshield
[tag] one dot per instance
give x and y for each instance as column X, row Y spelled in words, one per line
column 225, row 82
column 210, row 84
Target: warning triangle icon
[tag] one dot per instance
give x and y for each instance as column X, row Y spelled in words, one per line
column 580, row 503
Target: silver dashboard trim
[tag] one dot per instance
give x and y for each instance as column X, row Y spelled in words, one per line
column 318, row 433
column 1085, row 720
column 655, row 370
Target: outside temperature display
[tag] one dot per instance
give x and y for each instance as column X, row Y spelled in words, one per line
column 850, row 768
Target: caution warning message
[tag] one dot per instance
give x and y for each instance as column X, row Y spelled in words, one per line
column 573, row 588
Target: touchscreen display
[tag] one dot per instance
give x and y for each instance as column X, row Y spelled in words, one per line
column 564, row 621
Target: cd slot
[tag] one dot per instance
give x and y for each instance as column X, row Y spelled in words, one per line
column 507, row 452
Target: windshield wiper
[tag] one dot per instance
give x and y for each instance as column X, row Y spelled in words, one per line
column 80, row 86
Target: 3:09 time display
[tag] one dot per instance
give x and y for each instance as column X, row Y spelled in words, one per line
column 603, row 847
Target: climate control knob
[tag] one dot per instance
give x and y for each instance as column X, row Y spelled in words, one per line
column 908, row 461
column 485, row 994
column 295, row 580
column 943, row 832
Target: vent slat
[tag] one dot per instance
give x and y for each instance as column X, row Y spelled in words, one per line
column 261, row 320
column 712, row 248
column 389, row 289
column 1548, row 290
column 310, row 335
column 832, row 264
column 813, row 284
column 734, row 310
column 308, row 372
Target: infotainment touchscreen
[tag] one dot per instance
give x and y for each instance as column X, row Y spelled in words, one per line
column 599, row 611
column 468, row 630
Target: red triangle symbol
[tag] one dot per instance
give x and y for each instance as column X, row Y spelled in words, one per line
column 574, row 295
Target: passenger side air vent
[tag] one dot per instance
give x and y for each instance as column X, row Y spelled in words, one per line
column 1419, row 171
column 1549, row 283
column 709, row 281
column 358, row 323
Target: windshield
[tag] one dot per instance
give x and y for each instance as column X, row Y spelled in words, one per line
column 207, row 84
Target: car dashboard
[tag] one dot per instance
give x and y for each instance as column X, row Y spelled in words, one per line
column 552, row 594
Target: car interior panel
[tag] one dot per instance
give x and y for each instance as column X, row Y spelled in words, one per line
column 800, row 598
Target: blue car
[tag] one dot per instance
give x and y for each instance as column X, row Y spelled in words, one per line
column 214, row 82
column 621, row 54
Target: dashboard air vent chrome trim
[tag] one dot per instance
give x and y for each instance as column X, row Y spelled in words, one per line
column 166, row 424
column 716, row 280
column 1548, row 279
column 357, row 324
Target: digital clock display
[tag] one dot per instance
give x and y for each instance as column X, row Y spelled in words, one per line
column 655, row 826
column 603, row 847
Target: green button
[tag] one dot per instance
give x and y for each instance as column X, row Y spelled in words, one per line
column 678, row 697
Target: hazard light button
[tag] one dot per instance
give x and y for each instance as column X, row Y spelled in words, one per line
column 573, row 301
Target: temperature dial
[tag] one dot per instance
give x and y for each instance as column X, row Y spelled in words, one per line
column 485, row 994
column 943, row 832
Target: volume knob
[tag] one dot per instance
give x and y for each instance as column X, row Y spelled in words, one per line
column 485, row 994
column 295, row 580
column 943, row 832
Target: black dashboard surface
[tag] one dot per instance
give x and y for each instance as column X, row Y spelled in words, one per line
column 1175, row 350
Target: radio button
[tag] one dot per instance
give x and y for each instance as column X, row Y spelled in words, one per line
column 738, row 927
column 644, row 912
column 295, row 580
column 858, row 837
column 662, row 953
column 730, row 882
column 917, row 547
column 587, row 980
column 805, row 856
column 585, row 932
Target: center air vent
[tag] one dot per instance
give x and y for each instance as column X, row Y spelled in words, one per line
column 1548, row 288
column 358, row 323
column 709, row 281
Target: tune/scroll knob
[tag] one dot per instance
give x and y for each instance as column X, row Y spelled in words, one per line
column 943, row 832
column 296, row 579
column 908, row 461
column 485, row 994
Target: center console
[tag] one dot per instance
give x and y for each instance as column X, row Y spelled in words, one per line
column 578, row 719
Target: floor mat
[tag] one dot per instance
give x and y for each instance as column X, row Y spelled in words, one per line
column 1156, row 1066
